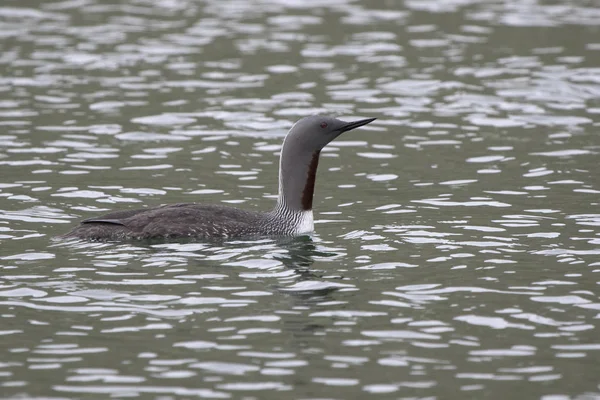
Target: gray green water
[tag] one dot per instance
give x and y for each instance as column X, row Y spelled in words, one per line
column 457, row 245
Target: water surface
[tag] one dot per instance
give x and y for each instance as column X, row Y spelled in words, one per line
column 457, row 246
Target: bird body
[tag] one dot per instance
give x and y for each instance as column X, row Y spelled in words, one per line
column 190, row 220
column 292, row 214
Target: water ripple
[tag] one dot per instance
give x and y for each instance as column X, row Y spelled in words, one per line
column 457, row 237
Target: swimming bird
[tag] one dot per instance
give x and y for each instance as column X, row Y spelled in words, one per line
column 292, row 214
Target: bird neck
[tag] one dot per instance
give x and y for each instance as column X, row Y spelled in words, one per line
column 297, row 175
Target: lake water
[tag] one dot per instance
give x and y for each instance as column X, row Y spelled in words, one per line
column 457, row 244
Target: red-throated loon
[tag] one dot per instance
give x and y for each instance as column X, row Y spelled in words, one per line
column 292, row 214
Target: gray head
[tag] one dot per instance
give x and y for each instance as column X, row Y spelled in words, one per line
column 315, row 132
column 300, row 158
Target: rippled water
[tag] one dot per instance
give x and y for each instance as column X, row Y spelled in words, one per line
column 457, row 250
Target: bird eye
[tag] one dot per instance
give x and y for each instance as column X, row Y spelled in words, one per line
column 323, row 124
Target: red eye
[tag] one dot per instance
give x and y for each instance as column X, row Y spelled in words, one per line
column 323, row 124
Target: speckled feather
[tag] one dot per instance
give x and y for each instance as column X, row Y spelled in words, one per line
column 180, row 220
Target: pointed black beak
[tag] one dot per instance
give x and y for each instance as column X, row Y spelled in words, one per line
column 353, row 125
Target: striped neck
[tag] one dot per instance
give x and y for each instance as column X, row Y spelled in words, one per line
column 293, row 222
column 297, row 175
